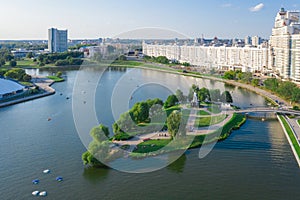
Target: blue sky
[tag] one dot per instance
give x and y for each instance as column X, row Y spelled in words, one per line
column 30, row 19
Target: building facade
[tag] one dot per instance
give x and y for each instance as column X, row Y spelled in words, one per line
column 285, row 45
column 281, row 55
column 246, row 58
column 57, row 40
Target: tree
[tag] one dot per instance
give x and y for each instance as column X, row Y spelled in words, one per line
column 122, row 58
column 16, row 74
column 186, row 64
column 203, row 94
column 12, row 63
column 226, row 97
column 100, row 133
column 2, row 62
column 271, row 84
column 191, row 94
column 180, row 96
column 29, row 55
column 173, row 123
column 247, row 77
column 162, row 60
column 215, row 94
column 296, row 95
column 229, row 75
column 255, row 82
column 286, row 89
column 59, row 74
column 26, row 78
column 171, row 101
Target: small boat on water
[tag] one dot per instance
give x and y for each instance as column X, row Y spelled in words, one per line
column 36, row 181
column 35, row 193
column 49, row 119
column 46, row 171
column 43, row 194
column 59, row 178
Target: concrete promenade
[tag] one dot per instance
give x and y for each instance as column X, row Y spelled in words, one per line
column 296, row 131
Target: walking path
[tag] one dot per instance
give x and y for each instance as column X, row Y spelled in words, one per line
column 295, row 126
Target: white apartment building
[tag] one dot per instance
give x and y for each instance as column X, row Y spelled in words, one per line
column 281, row 55
column 285, row 45
column 256, row 41
column 57, row 40
column 245, row 58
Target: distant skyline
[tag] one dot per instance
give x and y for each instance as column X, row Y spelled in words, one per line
column 31, row 19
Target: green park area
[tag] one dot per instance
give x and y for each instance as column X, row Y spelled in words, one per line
column 169, row 117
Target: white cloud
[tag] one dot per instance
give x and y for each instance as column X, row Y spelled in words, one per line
column 226, row 5
column 257, row 8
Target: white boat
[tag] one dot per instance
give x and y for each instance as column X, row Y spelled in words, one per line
column 35, row 193
column 43, row 194
column 46, row 171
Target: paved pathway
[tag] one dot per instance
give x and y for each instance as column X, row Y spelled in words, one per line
column 295, row 126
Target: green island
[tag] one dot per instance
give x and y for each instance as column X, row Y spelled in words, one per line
column 155, row 127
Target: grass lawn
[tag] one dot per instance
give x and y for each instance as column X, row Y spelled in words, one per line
column 126, row 63
column 291, row 135
column 151, row 145
column 214, row 109
column 202, row 112
column 207, row 121
column 171, row 109
column 234, row 123
column 56, row 78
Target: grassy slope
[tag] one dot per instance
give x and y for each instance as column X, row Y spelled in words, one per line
column 291, row 135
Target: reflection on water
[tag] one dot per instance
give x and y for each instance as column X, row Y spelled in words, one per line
column 95, row 175
column 178, row 165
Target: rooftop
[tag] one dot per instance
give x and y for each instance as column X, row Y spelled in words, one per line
column 7, row 86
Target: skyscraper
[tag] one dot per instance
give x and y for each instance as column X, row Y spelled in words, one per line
column 256, row 41
column 57, row 40
column 284, row 52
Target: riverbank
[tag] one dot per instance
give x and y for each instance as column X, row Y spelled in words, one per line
column 291, row 137
column 272, row 98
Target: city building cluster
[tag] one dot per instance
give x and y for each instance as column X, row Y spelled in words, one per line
column 280, row 55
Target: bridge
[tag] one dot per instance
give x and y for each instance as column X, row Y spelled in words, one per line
column 267, row 109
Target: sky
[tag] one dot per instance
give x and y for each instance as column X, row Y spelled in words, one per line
column 31, row 19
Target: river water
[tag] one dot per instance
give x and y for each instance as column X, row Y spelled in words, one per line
column 255, row 162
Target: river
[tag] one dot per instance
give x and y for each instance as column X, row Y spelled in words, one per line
column 255, row 162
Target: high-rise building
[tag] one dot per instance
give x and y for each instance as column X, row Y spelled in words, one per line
column 256, row 41
column 247, row 40
column 285, row 45
column 57, row 40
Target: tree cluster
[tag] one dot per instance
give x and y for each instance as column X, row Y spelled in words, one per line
column 245, row 77
column 285, row 89
column 159, row 59
column 17, row 74
column 213, row 95
column 99, row 148
column 139, row 113
column 61, row 59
